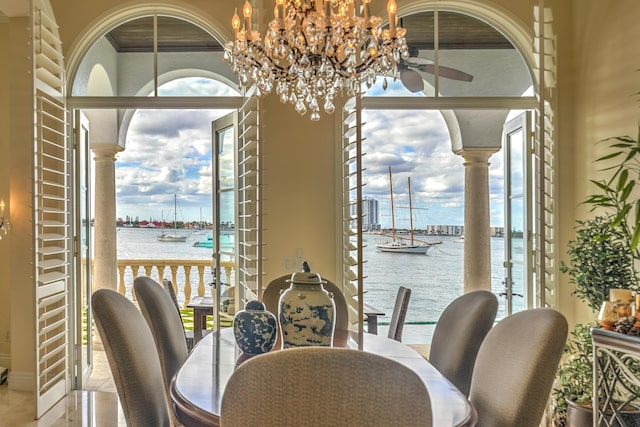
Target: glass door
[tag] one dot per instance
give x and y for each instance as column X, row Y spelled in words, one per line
column 225, row 214
column 518, row 229
column 82, row 239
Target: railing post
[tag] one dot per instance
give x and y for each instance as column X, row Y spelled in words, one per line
column 174, row 271
column 135, row 269
column 147, row 270
column 187, row 284
column 161, row 269
column 121, row 288
column 201, row 280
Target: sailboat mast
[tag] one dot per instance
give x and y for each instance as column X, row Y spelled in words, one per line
column 410, row 209
column 175, row 214
column 393, row 222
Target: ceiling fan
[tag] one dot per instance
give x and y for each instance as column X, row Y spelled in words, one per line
column 412, row 80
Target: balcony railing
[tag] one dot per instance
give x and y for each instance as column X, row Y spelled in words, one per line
column 189, row 277
column 195, row 278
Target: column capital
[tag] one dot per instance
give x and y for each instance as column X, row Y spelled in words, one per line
column 105, row 151
column 474, row 156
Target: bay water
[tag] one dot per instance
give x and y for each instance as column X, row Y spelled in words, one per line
column 435, row 279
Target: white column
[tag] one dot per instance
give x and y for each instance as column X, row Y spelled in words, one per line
column 105, row 270
column 477, row 233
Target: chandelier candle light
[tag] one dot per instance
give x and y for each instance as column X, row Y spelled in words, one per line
column 314, row 49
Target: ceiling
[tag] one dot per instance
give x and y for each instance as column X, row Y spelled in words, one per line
column 14, row 8
column 456, row 31
column 174, row 35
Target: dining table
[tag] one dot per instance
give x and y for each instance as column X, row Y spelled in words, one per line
column 198, row 386
column 203, row 307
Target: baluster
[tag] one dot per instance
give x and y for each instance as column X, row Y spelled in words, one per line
column 187, row 284
column 147, row 270
column 232, row 298
column 160, row 268
column 135, row 269
column 121, row 288
column 201, row 280
column 174, row 272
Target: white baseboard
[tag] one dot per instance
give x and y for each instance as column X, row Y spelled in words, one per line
column 21, row 381
column 5, row 360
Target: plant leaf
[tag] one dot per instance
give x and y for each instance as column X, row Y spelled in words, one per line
column 623, row 179
column 609, row 156
column 627, row 191
column 635, row 240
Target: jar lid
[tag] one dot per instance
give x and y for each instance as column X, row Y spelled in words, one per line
column 255, row 305
column 306, row 278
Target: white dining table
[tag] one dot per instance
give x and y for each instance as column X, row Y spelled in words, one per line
column 197, row 389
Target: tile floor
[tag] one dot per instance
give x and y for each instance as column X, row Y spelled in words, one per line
column 95, row 406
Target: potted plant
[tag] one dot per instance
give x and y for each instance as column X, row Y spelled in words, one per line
column 572, row 391
column 601, row 257
column 599, row 260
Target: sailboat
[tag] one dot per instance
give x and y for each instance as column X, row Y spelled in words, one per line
column 175, row 237
column 200, row 230
column 398, row 244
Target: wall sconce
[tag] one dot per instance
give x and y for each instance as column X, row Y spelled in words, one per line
column 4, row 222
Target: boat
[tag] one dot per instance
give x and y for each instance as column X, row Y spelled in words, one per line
column 200, row 229
column 205, row 244
column 399, row 244
column 459, row 239
column 175, row 237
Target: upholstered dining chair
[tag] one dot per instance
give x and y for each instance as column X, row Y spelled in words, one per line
column 458, row 334
column 188, row 334
column 136, row 371
column 324, row 386
column 271, row 296
column 516, row 366
column 165, row 324
column 399, row 313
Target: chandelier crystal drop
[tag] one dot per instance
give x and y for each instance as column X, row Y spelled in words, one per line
column 314, row 49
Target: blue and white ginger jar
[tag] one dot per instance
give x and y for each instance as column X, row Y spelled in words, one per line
column 306, row 312
column 255, row 328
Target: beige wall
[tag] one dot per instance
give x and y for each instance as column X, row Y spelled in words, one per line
column 16, row 187
column 4, row 193
column 300, row 193
column 598, row 80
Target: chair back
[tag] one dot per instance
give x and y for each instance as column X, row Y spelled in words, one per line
column 165, row 324
column 399, row 313
column 459, row 333
column 136, row 371
column 516, row 366
column 271, row 296
column 324, row 386
column 188, row 333
column 168, row 286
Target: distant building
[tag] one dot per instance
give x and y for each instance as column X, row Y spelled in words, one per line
column 370, row 218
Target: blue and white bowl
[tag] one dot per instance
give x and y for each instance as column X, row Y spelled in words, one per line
column 255, row 328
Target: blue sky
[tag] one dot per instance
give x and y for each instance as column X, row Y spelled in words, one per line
column 168, row 152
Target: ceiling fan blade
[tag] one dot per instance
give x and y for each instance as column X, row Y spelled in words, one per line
column 412, row 80
column 446, row 72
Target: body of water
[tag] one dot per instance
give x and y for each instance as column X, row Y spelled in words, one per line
column 435, row 279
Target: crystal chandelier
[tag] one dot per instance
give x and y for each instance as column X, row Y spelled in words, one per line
column 314, row 49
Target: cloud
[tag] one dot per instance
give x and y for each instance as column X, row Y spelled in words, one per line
column 169, row 152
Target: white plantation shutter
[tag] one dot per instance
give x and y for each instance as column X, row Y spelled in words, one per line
column 52, row 218
column 352, row 240
column 249, row 231
column 544, row 155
